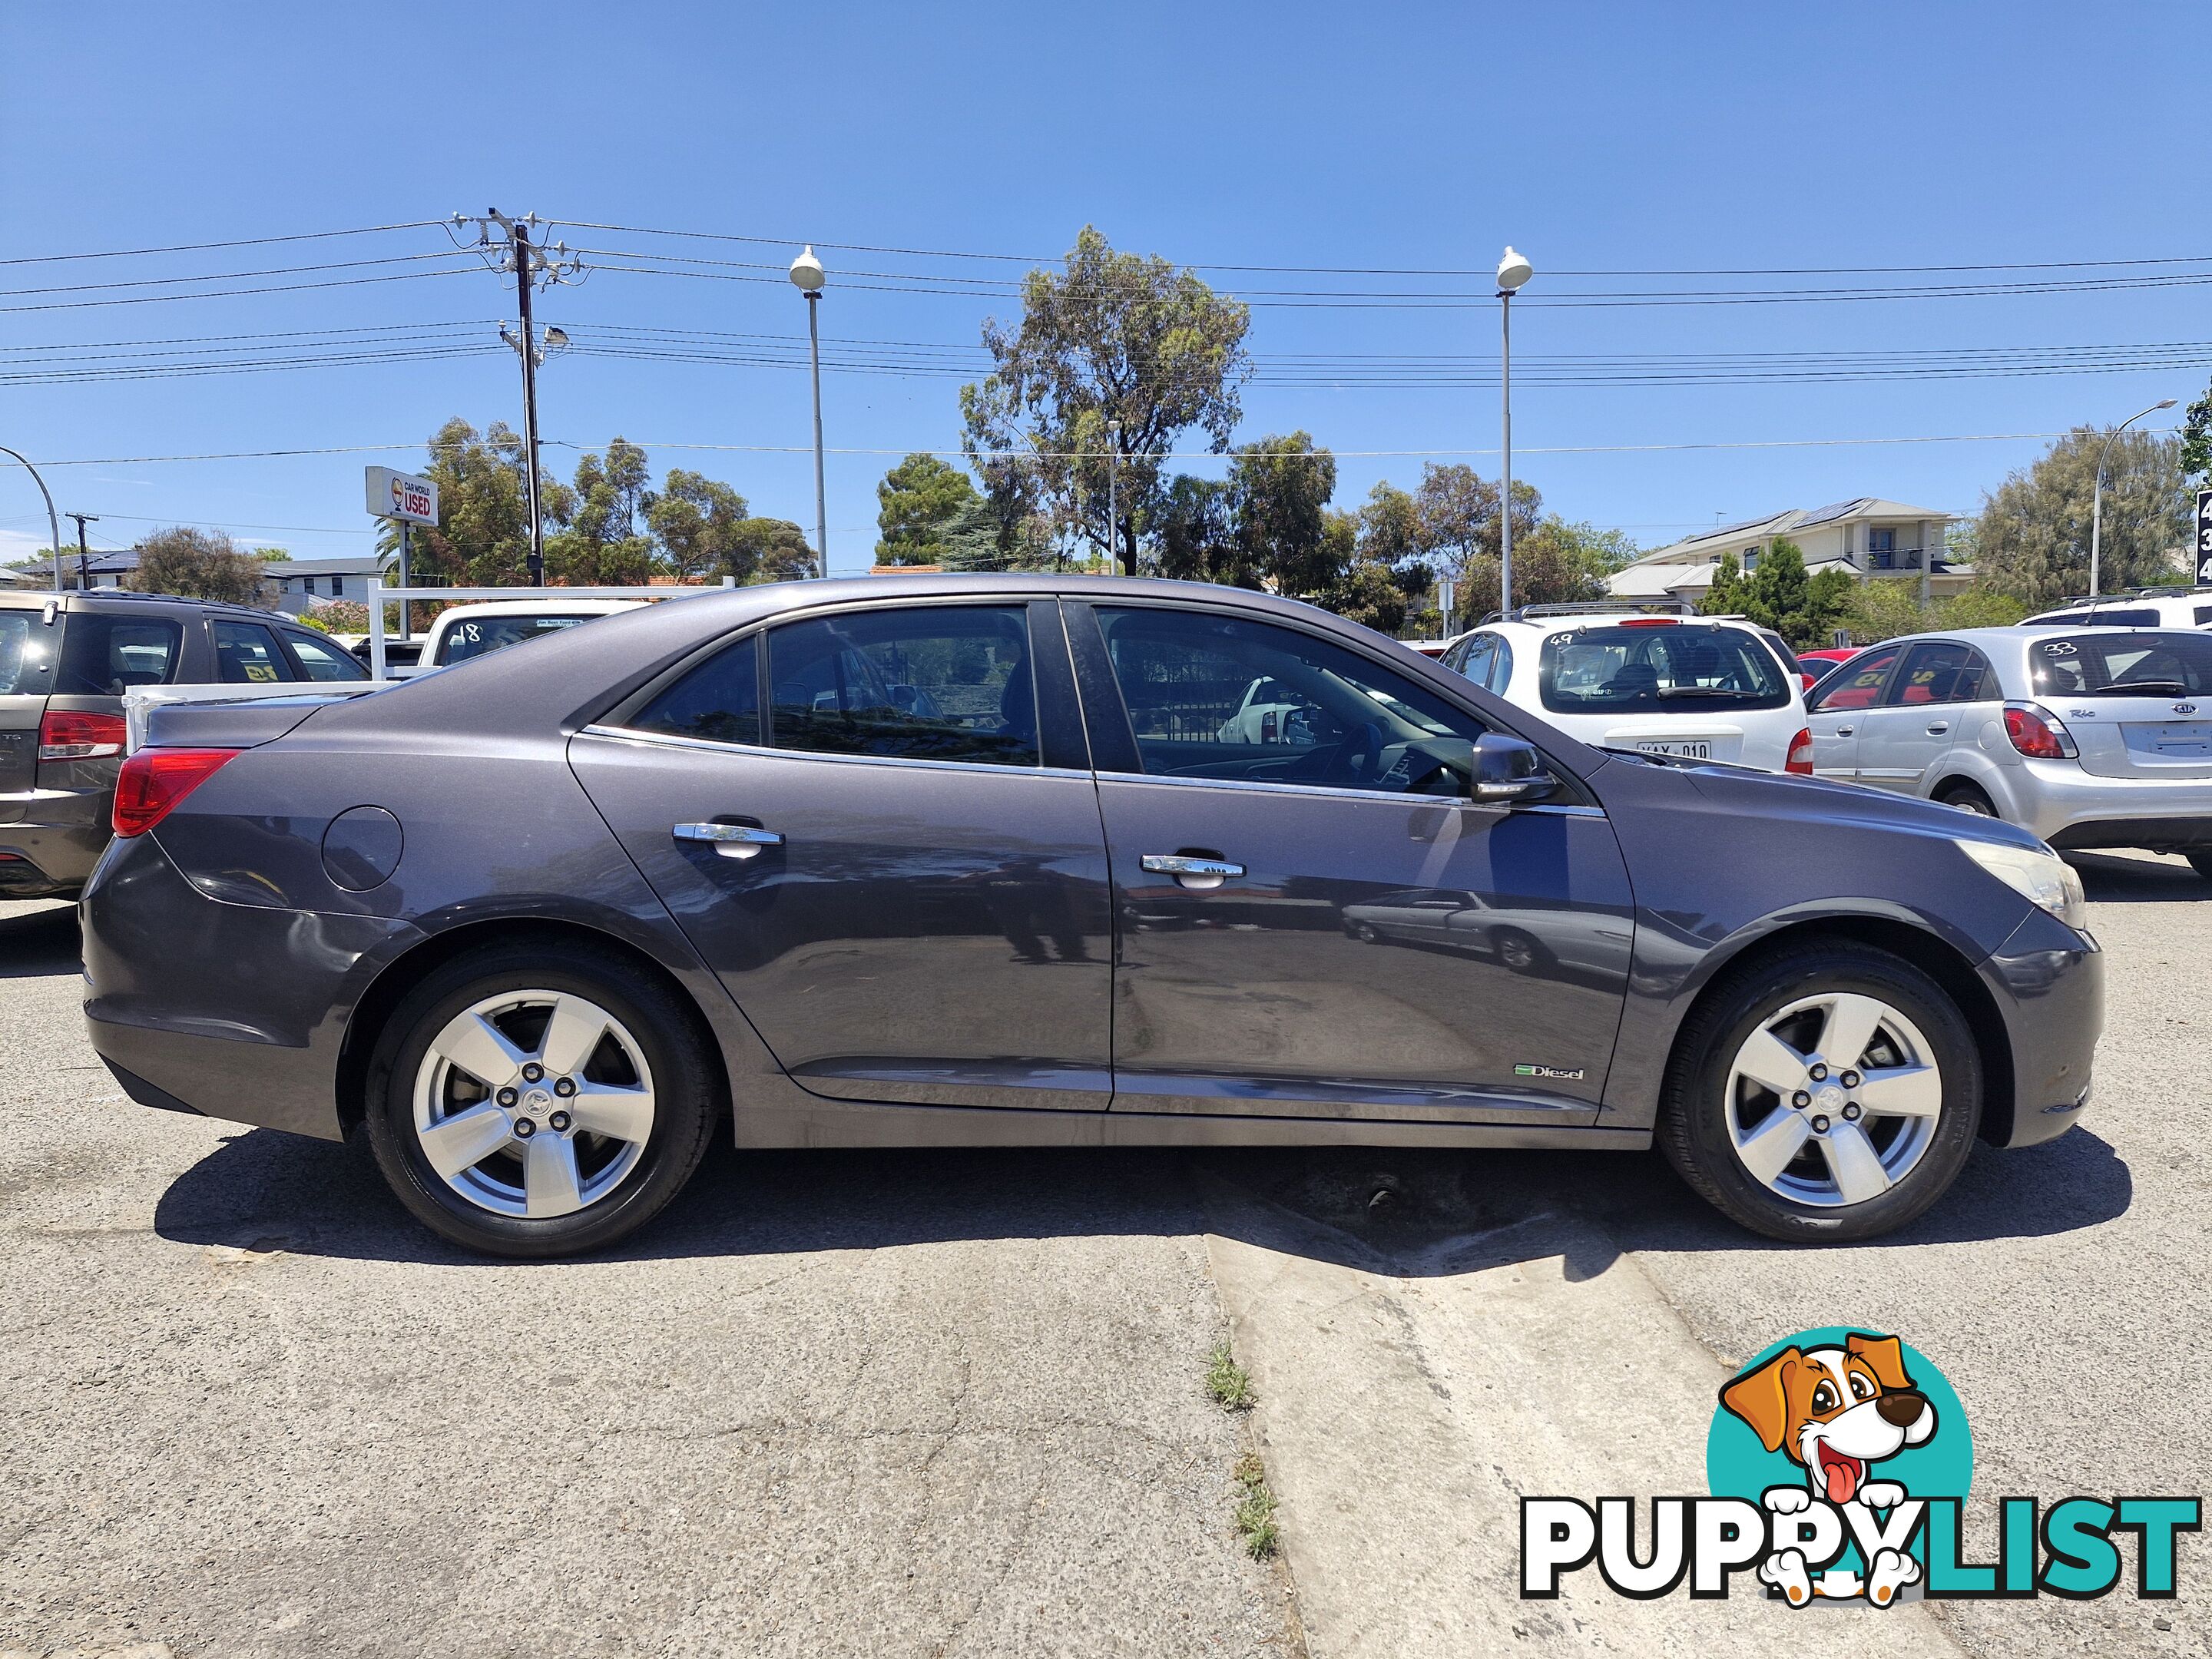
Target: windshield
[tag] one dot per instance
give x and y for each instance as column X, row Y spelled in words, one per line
column 1645, row 670
column 479, row 635
column 2161, row 664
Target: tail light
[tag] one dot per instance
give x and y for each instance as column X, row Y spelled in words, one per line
column 73, row 734
column 1648, row 622
column 153, row 780
column 2037, row 732
column 1801, row 755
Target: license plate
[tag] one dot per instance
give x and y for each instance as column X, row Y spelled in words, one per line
column 2176, row 740
column 1686, row 750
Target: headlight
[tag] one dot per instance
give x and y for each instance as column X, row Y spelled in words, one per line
column 2041, row 878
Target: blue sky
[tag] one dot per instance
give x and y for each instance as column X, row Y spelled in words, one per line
column 1593, row 137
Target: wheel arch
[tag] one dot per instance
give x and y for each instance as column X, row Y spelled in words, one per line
column 374, row 1008
column 1934, row 956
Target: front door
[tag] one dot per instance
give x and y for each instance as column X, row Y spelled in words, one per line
column 1313, row 921
column 879, row 828
column 1839, row 712
column 1942, row 695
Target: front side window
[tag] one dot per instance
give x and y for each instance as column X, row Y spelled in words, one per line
column 106, row 656
column 939, row 682
column 1475, row 655
column 1634, row 669
column 478, row 636
column 320, row 659
column 2161, row 664
column 1214, row 697
column 247, row 653
column 1942, row 670
column 718, row 702
column 1501, row 667
column 1857, row 684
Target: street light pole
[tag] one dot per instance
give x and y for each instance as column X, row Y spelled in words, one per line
column 808, row 277
column 53, row 523
column 2097, row 494
column 1512, row 271
column 83, row 556
column 1113, row 496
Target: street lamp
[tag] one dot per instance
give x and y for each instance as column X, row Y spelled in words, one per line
column 53, row 523
column 1113, row 477
column 1512, row 271
column 808, row 277
column 2097, row 494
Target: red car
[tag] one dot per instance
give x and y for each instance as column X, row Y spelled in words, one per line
column 1827, row 656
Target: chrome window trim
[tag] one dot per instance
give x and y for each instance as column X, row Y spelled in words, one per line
column 1323, row 791
column 706, row 746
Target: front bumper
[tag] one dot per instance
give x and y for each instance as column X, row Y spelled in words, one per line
column 50, row 839
column 2069, row 808
column 2048, row 983
column 237, row 1012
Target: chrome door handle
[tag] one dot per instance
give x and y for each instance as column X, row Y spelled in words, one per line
column 1197, row 873
column 1939, row 728
column 1845, row 731
column 731, row 841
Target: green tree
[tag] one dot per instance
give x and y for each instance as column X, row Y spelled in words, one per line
column 598, row 539
column 1978, row 607
column 768, row 550
column 1884, row 608
column 199, row 564
column 1457, row 514
column 1559, row 563
column 1112, row 337
column 917, row 500
column 1196, row 531
column 1804, row 610
column 2197, row 441
column 2032, row 537
column 483, row 534
column 695, row 520
column 1280, row 490
column 1725, row 594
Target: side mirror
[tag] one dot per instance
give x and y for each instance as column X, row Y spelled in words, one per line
column 1508, row 771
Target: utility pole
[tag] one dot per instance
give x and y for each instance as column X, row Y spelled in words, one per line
column 505, row 246
column 83, row 557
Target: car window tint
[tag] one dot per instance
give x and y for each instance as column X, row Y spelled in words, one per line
column 1943, row 671
column 247, row 653
column 2204, row 615
column 2161, row 664
column 1641, row 668
column 1501, row 666
column 104, row 656
column 1857, row 683
column 719, row 701
column 26, row 653
column 941, row 683
column 1474, row 656
column 1214, row 697
column 321, row 659
column 478, row 635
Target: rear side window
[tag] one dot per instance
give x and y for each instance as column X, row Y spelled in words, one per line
column 1943, row 671
column 1857, row 683
column 27, row 653
column 1643, row 670
column 479, row 635
column 322, row 659
column 104, row 656
column 718, row 702
column 2162, row 664
column 2204, row 615
column 247, row 653
column 941, row 682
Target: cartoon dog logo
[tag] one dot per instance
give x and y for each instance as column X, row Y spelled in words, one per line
column 1836, row 1412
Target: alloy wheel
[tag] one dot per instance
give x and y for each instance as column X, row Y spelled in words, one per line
column 533, row 1103
column 1833, row 1099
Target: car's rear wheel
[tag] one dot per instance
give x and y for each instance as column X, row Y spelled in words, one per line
column 534, row 1104
column 1830, row 1093
column 1967, row 797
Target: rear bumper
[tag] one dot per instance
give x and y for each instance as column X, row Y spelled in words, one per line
column 2069, row 808
column 50, row 839
column 234, row 1011
column 2048, row 982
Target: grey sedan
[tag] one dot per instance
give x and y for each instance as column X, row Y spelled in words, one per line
column 985, row 860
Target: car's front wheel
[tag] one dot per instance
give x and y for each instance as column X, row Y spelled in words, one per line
column 534, row 1104
column 1829, row 1093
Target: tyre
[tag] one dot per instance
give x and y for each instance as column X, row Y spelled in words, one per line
column 529, row 1102
column 1518, row 951
column 1828, row 1094
column 2201, row 863
column 1967, row 797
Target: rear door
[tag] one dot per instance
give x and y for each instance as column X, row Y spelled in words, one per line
column 1941, row 696
column 2139, row 704
column 30, row 649
column 1839, row 713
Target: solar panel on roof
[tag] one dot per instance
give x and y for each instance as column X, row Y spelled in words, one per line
column 1833, row 510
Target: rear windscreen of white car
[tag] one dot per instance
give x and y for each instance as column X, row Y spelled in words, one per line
column 1639, row 669
column 2163, row 664
column 475, row 637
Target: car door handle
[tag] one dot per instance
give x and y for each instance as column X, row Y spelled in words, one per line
column 1845, row 731
column 1194, row 872
column 731, row 841
column 1938, row 728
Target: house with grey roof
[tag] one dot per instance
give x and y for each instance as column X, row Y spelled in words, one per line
column 1869, row 537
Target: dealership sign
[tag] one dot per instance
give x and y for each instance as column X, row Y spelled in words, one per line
column 399, row 496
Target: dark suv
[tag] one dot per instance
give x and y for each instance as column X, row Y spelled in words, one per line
column 66, row 660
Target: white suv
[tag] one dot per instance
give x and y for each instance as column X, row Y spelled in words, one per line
column 1710, row 688
column 2148, row 607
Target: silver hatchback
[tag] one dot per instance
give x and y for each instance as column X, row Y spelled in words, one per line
column 2089, row 736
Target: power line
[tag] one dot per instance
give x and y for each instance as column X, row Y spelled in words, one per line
column 201, row 248
column 229, row 276
column 239, row 292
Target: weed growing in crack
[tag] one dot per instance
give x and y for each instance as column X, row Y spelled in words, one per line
column 1226, row 1382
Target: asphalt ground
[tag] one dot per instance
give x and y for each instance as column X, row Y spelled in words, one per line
column 951, row 1403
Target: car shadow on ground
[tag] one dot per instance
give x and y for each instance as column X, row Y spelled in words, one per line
column 2109, row 879
column 40, row 944
column 1418, row 1212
